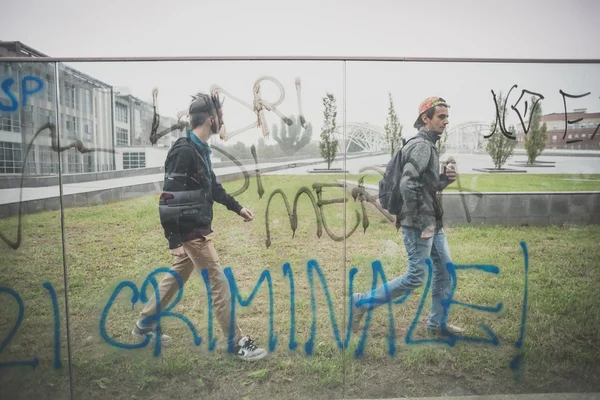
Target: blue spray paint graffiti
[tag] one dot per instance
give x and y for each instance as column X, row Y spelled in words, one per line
column 516, row 362
column 52, row 292
column 212, row 342
column 154, row 319
column 378, row 270
column 313, row 267
column 34, row 361
column 14, row 103
column 235, row 295
column 287, row 271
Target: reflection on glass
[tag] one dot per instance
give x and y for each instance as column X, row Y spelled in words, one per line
column 523, row 201
column 303, row 146
column 268, row 274
column 33, row 337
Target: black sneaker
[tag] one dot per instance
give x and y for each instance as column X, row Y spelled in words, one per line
column 248, row 351
column 142, row 331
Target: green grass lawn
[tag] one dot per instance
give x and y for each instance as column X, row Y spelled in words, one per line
column 514, row 182
column 109, row 244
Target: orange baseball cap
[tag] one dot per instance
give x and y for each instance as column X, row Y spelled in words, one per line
column 427, row 104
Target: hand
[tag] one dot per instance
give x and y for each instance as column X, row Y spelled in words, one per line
column 428, row 233
column 178, row 252
column 247, row 214
column 451, row 171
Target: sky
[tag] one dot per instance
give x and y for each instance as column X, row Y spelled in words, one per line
column 475, row 29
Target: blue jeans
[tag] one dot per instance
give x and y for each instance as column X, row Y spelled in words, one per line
column 418, row 251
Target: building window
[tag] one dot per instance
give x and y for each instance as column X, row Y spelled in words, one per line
column 10, row 158
column 122, row 137
column 43, row 116
column 48, row 160
column 71, row 126
column 30, row 162
column 74, row 163
column 50, row 88
column 75, row 125
column 9, row 121
column 554, row 138
column 88, row 129
column 87, row 101
column 134, row 160
column 66, row 124
column 7, row 71
column 88, row 162
column 69, row 95
column 121, row 113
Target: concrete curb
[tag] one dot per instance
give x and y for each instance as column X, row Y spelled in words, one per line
column 534, row 396
column 513, row 208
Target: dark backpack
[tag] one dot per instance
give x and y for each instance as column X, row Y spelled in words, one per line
column 390, row 198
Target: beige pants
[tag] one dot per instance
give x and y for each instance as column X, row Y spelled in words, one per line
column 199, row 254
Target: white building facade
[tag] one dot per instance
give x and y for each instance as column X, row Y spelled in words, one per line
column 116, row 125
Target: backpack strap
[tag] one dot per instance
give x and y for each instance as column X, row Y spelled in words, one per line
column 198, row 159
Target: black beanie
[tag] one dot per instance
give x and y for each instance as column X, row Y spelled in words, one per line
column 199, row 109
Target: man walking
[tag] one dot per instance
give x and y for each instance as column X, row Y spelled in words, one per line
column 421, row 220
column 186, row 213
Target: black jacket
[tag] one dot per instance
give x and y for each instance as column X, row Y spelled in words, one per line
column 186, row 170
column 420, row 183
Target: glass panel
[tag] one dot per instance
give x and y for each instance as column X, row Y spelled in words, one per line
column 518, row 232
column 295, row 271
column 117, row 249
column 34, row 353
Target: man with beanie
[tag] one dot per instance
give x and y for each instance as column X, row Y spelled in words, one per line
column 186, row 213
column 421, row 221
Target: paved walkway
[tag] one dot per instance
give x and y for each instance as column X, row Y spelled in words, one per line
column 467, row 163
column 9, row 196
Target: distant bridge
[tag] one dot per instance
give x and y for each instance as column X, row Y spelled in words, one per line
column 468, row 135
column 362, row 136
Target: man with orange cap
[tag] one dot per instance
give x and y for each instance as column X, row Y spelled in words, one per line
column 421, row 221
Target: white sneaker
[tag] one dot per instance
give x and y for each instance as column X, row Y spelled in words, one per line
column 248, row 351
column 142, row 332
